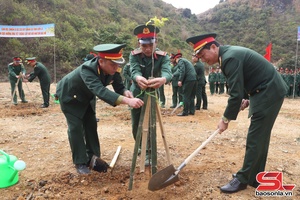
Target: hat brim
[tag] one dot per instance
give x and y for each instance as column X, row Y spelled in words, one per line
column 119, row 61
column 147, row 41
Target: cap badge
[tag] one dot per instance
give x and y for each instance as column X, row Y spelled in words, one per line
column 146, row 31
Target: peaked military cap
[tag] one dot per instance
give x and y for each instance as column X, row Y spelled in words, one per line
column 113, row 52
column 146, row 34
column 31, row 59
column 17, row 59
column 178, row 55
column 198, row 42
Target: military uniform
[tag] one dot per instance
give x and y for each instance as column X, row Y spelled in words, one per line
column 188, row 78
column 222, row 81
column 247, row 71
column 212, row 79
column 77, row 92
column 177, row 95
column 126, row 74
column 43, row 75
column 141, row 65
column 266, row 91
column 201, row 82
column 14, row 69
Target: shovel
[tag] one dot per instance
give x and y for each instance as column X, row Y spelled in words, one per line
column 169, row 175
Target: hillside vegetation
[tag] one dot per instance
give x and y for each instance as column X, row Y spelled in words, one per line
column 82, row 24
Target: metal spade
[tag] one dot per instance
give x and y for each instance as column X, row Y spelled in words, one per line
column 169, row 175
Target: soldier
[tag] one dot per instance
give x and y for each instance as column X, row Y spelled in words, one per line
column 222, row 82
column 77, row 93
column 212, row 79
column 142, row 69
column 40, row 71
column 16, row 71
column 246, row 70
column 126, row 74
column 177, row 96
column 188, row 82
column 201, row 82
column 217, row 85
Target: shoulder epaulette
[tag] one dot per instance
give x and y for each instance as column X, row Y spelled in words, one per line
column 136, row 51
column 162, row 53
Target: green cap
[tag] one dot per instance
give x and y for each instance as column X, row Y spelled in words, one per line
column 31, row 59
column 113, row 52
column 198, row 42
column 146, row 34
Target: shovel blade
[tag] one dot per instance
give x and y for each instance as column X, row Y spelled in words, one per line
column 163, row 178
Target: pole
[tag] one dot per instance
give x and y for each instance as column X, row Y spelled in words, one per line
column 296, row 61
column 54, row 63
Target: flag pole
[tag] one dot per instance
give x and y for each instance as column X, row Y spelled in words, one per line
column 294, row 88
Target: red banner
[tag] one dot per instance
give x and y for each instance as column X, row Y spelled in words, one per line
column 268, row 52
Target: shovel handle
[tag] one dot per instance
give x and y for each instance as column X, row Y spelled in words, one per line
column 188, row 159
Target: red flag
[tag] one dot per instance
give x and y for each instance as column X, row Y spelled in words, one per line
column 268, row 52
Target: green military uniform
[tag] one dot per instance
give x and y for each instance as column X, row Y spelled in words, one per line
column 222, row 81
column 13, row 71
column 140, row 65
column 77, row 93
column 248, row 71
column 188, row 77
column 201, row 82
column 43, row 75
column 212, row 78
column 126, row 74
column 177, row 95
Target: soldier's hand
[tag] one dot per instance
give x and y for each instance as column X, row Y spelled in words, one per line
column 128, row 94
column 156, row 82
column 135, row 103
column 245, row 103
column 142, row 82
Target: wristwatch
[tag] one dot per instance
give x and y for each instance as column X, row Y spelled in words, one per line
column 225, row 120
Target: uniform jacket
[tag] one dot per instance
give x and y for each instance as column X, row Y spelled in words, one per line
column 41, row 72
column 175, row 77
column 247, row 71
column 212, row 77
column 14, row 70
column 186, row 71
column 140, row 65
column 126, row 75
column 78, row 89
column 200, row 71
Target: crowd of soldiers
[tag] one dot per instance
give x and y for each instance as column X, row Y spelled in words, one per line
column 292, row 79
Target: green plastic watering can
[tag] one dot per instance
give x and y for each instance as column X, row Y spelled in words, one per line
column 9, row 168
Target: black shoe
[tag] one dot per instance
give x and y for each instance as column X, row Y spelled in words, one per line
column 82, row 169
column 172, row 106
column 197, row 108
column 182, row 114
column 99, row 165
column 44, row 106
column 233, row 186
column 24, row 101
column 190, row 113
column 204, row 108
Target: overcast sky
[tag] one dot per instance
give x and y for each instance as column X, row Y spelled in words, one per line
column 196, row 6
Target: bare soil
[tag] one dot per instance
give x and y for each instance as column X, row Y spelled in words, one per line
column 39, row 137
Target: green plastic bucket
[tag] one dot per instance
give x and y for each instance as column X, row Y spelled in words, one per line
column 8, row 174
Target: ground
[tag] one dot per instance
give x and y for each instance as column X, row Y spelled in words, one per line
column 39, row 137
